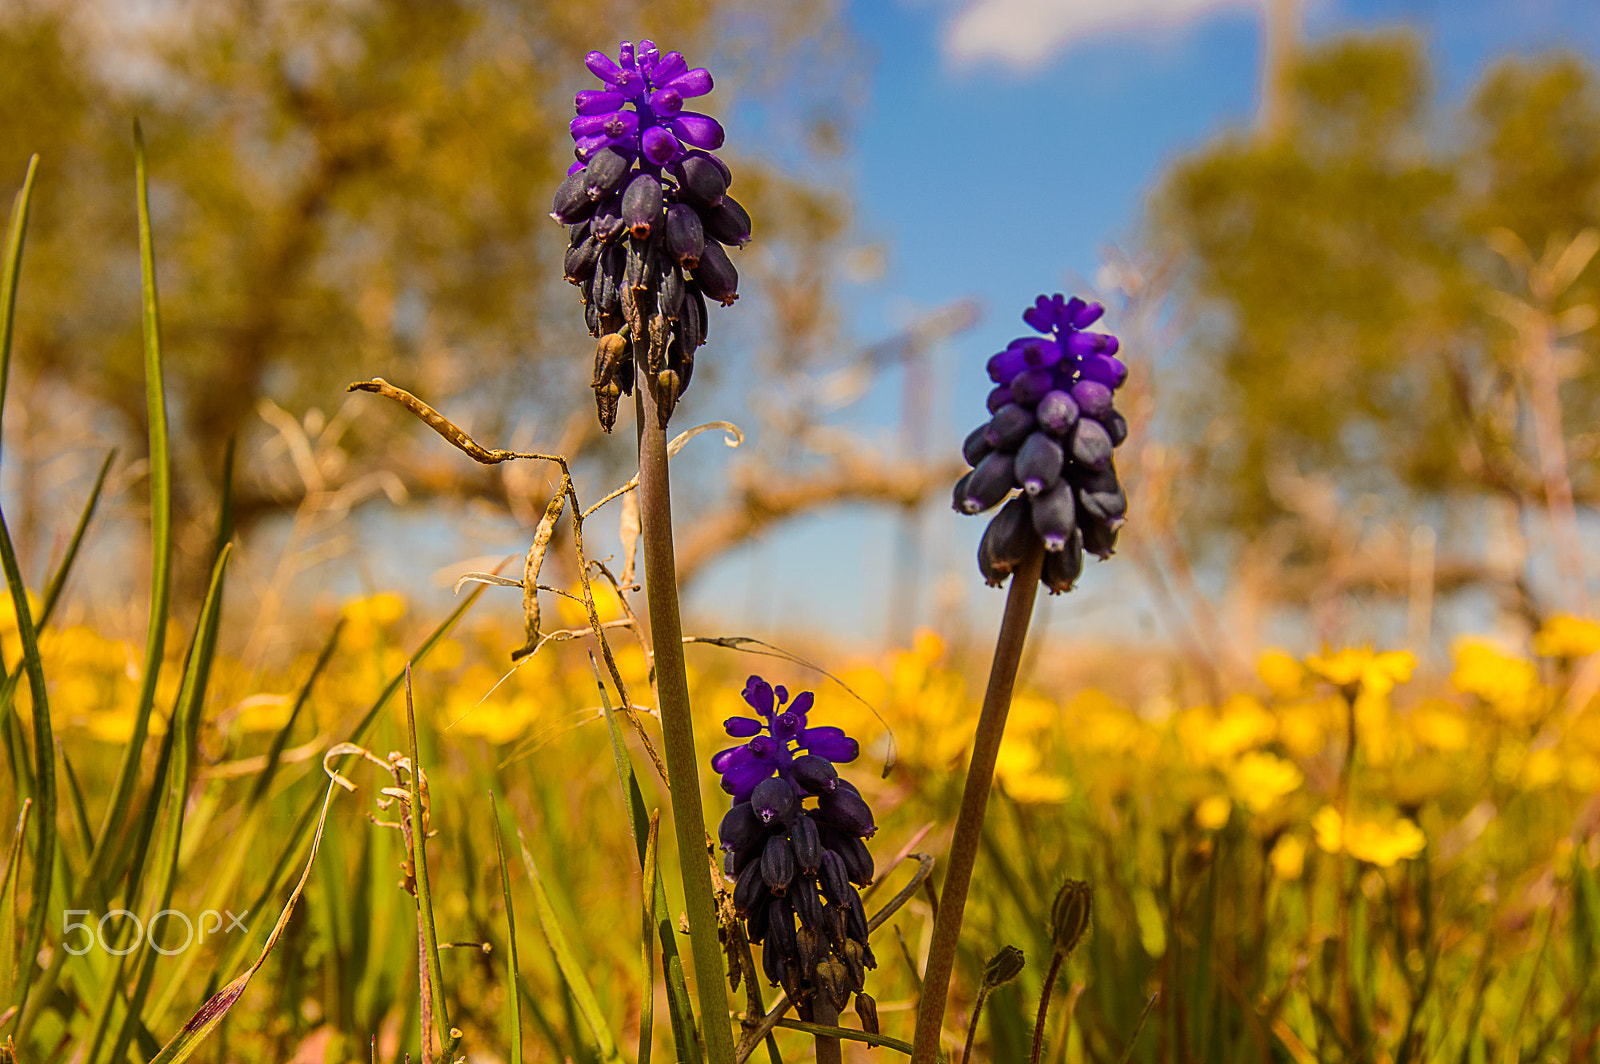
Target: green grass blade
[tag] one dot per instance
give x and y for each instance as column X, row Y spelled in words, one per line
column 8, row 902
column 513, row 975
column 160, row 532
column 58, row 579
column 680, row 1009
column 185, row 728
column 647, row 987
column 80, row 811
column 11, row 272
column 567, row 961
column 419, row 836
column 44, row 771
column 184, row 1044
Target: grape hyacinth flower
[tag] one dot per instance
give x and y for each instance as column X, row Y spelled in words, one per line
column 649, row 220
column 790, row 861
column 1052, row 433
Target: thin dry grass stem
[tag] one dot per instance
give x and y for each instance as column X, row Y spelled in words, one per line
column 565, row 495
column 754, row 1033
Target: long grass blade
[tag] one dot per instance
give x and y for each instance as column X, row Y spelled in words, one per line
column 567, row 961
column 419, row 836
column 8, row 902
column 513, row 975
column 44, row 772
column 11, row 272
column 680, row 1009
column 647, row 987
column 184, row 1044
column 185, row 728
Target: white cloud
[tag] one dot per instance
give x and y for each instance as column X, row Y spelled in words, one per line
column 1025, row 33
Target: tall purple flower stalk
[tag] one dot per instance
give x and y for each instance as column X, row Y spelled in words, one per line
column 792, row 861
column 649, row 219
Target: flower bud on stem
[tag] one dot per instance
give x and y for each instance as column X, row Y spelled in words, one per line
column 974, row 801
column 666, row 633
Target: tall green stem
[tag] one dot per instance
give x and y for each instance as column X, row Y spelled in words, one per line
column 672, row 686
column 974, row 800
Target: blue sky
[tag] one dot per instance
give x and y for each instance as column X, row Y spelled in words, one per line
column 1003, row 146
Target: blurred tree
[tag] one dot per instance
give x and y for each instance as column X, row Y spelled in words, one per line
column 348, row 189
column 1359, row 302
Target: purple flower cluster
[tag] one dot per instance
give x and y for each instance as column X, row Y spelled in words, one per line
column 791, row 862
column 1052, row 432
column 649, row 222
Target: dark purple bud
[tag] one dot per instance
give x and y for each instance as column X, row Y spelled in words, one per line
column 802, row 703
column 856, row 921
column 608, row 226
column 1010, row 427
column 1005, row 542
column 834, row 878
column 1090, row 444
column 831, row 744
column 1101, row 496
column 742, row 780
column 847, row 811
column 815, row 774
column 1063, row 567
column 774, row 799
column 702, row 180
column 1055, row 516
column 1093, row 399
column 696, row 82
column 571, row 203
column 1041, row 315
column 976, row 445
column 1039, row 463
column 716, row 275
column 771, row 962
column 777, row 864
column 728, row 222
column 605, row 172
column 702, row 131
column 1087, row 316
column 1040, row 353
column 780, row 929
column 1103, row 368
column 672, row 292
column 1006, row 365
column 1031, row 385
column 685, row 237
column 1099, row 537
column 740, row 827
column 857, row 861
column 659, row 146
column 749, row 887
column 807, row 844
column 756, row 923
column 580, row 261
column 691, row 329
column 999, row 397
column 641, row 204
column 757, row 694
column 666, row 102
column 1083, row 344
column 959, row 499
column 807, row 904
column 1116, row 427
column 722, row 167
column 990, row 482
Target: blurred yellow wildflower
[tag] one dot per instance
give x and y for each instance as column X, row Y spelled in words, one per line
column 1369, row 841
column 1440, row 725
column 1288, row 857
column 1565, row 636
column 1510, row 685
column 1361, row 668
column 1241, row 723
column 1284, row 676
column 1262, row 780
column 1017, row 768
column 1213, row 812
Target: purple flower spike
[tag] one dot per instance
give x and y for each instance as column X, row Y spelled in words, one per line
column 742, row 727
column 794, row 838
column 1054, row 429
column 635, row 126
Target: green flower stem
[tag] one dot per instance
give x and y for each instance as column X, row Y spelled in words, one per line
column 823, row 1014
column 974, row 800
column 672, row 686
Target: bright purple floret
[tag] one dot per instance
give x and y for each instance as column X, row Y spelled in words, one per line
column 775, row 740
column 657, row 129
